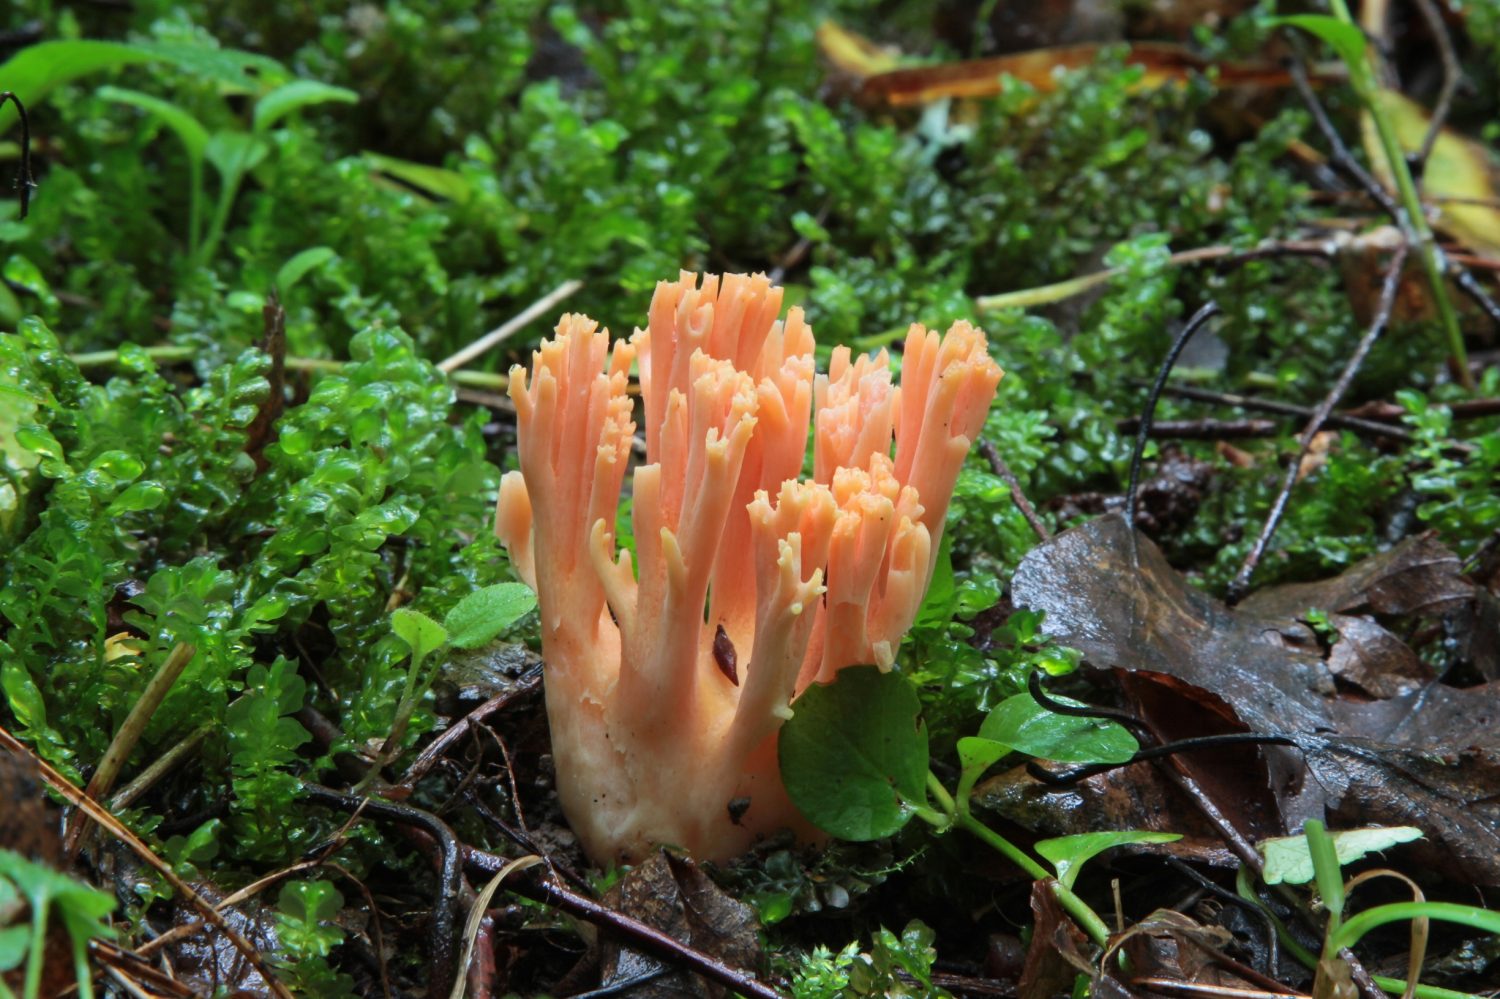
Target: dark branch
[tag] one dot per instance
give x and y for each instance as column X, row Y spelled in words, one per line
column 23, row 182
column 1241, row 583
column 1000, row 468
column 1194, row 324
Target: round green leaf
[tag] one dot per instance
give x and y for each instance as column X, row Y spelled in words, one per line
column 1023, row 724
column 479, row 617
column 420, row 633
column 854, row 754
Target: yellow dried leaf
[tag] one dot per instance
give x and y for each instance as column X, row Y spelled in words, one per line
column 1460, row 179
column 853, row 53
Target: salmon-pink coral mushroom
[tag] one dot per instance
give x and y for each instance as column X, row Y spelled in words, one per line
column 669, row 675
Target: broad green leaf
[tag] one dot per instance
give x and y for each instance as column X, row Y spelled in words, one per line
column 38, row 69
column 854, row 754
column 294, row 96
column 300, row 264
column 420, row 633
column 485, row 613
column 434, row 180
column 188, row 129
column 1289, row 861
column 234, row 70
column 1068, row 854
column 1023, row 724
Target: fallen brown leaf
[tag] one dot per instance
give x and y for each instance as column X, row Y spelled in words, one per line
column 1055, row 957
column 673, row 895
column 1428, row 757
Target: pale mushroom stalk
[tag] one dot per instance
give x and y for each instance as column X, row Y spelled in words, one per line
column 670, row 673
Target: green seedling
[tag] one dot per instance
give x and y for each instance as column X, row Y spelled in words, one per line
column 855, row 761
column 474, row 621
column 1317, row 856
column 46, row 894
column 233, row 153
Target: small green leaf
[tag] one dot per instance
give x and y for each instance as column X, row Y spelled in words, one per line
column 1289, row 860
column 854, row 755
column 979, row 754
column 1068, row 854
column 420, row 633
column 1023, row 724
column 437, row 181
column 297, row 95
column 306, row 907
column 483, row 614
column 146, row 495
column 193, row 135
column 235, row 154
column 300, row 265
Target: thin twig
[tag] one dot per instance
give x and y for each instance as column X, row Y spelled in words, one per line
column 1221, row 255
column 1411, row 218
column 1451, row 75
column 160, row 766
column 1202, row 430
column 1065, row 778
column 130, row 732
column 24, row 183
column 1273, row 944
column 172, row 353
column 1240, row 586
column 96, row 811
column 642, row 936
column 1471, row 287
column 1000, row 468
column 527, row 684
column 1338, row 151
column 1355, row 423
column 510, row 327
column 543, row 889
column 1202, row 316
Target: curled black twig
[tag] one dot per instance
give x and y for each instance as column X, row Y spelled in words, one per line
column 23, row 182
column 1194, row 324
column 442, row 957
column 1063, row 778
column 1041, row 696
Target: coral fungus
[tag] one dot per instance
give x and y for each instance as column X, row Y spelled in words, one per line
column 669, row 674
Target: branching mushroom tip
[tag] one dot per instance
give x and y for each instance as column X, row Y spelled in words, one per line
column 670, row 672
